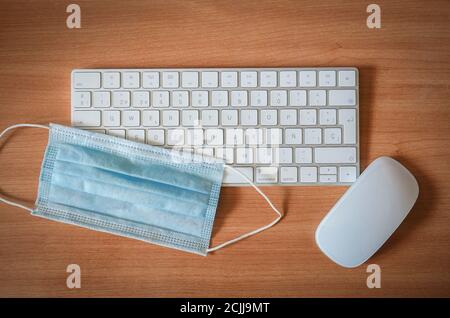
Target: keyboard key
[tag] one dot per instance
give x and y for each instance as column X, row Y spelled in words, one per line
column 308, row 117
column 189, row 79
column 268, row 79
column 297, row 98
column 210, row 79
column 273, row 136
column 155, row 137
column 327, row 78
column 327, row 170
column 249, row 117
column 327, row 117
column 214, row 137
column 225, row 153
column 86, row 80
column 347, row 174
column 269, row 117
column 335, row 155
column 308, row 174
column 200, row 98
column 303, row 155
column 244, row 155
column 150, row 118
column 229, row 79
column 131, row 118
column 317, row 98
column 239, row 98
column 131, row 80
column 307, row 78
column 288, row 79
column 288, row 174
column 347, row 118
column 332, row 136
column 234, row 136
column 258, row 98
column 313, row 136
column 254, row 136
column 219, row 98
column 347, row 78
column 175, row 137
column 205, row 152
column 137, row 135
column 141, row 99
column 342, row 97
column 267, row 175
column 190, row 118
column 86, row 118
column 195, row 137
column 180, row 98
column 293, row 136
column 327, row 178
column 229, row 117
column 210, row 117
column 98, row 131
column 117, row 132
column 170, row 118
column 249, row 79
column 81, row 99
column 288, row 117
column 150, row 80
column 230, row 176
column 111, row 80
column 185, row 152
column 264, row 155
column 111, row 118
column 278, row 98
column 121, row 99
column 170, row 80
column 283, row 155
column 160, row 98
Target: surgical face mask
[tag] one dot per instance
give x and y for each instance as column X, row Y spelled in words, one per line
column 130, row 189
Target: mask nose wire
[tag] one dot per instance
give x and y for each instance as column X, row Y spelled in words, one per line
column 2, row 199
column 265, row 227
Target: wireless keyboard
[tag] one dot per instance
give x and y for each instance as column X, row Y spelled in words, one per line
column 278, row 126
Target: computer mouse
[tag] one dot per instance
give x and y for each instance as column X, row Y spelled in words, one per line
column 368, row 213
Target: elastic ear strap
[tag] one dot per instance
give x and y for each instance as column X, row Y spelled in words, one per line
column 1, row 135
column 265, row 227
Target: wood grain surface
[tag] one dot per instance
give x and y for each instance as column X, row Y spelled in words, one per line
column 404, row 109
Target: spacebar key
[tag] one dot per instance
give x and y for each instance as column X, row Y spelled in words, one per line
column 335, row 155
column 231, row 176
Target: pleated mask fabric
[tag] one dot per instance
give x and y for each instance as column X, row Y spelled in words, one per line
column 131, row 189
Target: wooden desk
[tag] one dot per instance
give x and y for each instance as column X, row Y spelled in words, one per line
column 404, row 93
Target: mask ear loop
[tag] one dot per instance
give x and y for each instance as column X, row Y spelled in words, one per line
column 1, row 135
column 263, row 228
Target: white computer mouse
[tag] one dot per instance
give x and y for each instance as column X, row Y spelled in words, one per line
column 368, row 213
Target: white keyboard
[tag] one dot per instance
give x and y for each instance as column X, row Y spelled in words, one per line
column 278, row 126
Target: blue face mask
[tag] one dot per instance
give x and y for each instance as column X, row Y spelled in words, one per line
column 130, row 189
